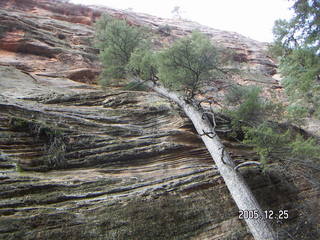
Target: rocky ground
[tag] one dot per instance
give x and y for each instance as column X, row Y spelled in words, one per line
column 80, row 162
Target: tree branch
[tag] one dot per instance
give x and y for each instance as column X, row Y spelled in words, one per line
column 246, row 164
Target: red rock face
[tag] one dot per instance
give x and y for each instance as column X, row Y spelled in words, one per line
column 126, row 164
column 63, row 32
column 11, row 41
column 45, row 43
column 74, row 19
column 58, row 9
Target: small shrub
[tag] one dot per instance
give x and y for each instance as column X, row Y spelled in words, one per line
column 19, row 124
column 304, row 148
column 19, row 168
column 265, row 139
column 165, row 30
column 245, row 106
column 269, row 141
column 251, row 105
column 237, row 94
column 56, row 153
column 296, row 113
column 54, row 138
column 39, row 129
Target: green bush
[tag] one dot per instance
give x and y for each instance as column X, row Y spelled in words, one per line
column 19, row 124
column 269, row 140
column 253, row 119
column 165, row 30
column 237, row 94
column 304, row 148
column 265, row 139
column 249, row 105
column 296, row 113
column 52, row 136
column 36, row 128
column 245, row 106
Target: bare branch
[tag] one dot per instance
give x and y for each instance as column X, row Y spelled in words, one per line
column 246, row 164
column 222, row 155
column 208, row 134
column 213, row 119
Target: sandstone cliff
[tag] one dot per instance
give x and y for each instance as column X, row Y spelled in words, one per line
column 79, row 162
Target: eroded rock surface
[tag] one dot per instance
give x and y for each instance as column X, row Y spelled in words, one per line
column 79, row 162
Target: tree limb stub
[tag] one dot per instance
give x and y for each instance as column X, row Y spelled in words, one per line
column 247, row 164
column 213, row 134
column 239, row 190
column 213, row 118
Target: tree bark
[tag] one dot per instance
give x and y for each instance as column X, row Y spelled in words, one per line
column 240, row 192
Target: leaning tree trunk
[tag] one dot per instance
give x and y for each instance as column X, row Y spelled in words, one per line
column 240, row 192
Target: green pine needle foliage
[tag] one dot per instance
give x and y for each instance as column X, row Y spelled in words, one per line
column 116, row 40
column 143, row 63
column 188, row 63
column 265, row 140
column 296, row 113
column 301, row 78
column 297, row 44
column 304, row 148
column 268, row 141
column 247, row 107
column 253, row 118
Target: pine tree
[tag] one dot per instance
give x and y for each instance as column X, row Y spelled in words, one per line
column 116, row 41
column 297, row 43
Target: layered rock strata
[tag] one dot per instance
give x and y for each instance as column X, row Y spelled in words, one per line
column 79, row 162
